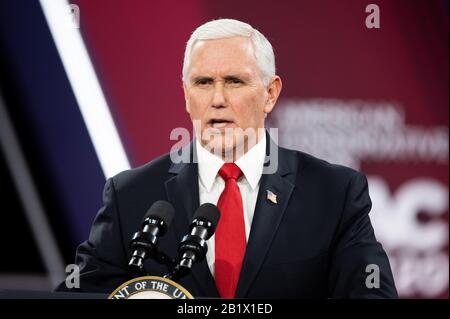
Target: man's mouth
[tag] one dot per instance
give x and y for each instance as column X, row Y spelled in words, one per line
column 220, row 123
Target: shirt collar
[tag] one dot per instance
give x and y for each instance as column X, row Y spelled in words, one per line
column 208, row 165
column 251, row 164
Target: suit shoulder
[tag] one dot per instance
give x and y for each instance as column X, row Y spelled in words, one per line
column 153, row 171
column 309, row 164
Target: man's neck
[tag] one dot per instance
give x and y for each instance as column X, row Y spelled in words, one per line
column 233, row 154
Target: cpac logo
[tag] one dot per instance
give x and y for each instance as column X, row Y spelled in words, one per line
column 419, row 263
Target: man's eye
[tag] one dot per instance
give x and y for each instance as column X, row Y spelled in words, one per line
column 234, row 81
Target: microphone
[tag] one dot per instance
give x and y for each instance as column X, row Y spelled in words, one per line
column 193, row 248
column 145, row 242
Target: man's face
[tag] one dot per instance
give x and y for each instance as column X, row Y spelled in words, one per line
column 224, row 90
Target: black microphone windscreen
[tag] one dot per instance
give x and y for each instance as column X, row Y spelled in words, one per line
column 209, row 212
column 161, row 210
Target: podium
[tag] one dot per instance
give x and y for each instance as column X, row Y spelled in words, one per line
column 21, row 294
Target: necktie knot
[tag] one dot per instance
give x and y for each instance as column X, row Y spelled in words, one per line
column 230, row 171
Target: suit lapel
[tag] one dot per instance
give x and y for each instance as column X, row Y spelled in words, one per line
column 267, row 216
column 182, row 191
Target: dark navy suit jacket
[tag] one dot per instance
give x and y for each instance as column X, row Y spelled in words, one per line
column 315, row 242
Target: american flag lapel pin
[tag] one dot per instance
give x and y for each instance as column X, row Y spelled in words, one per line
column 271, row 197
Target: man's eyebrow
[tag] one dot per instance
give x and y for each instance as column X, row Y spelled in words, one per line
column 201, row 78
column 240, row 77
column 231, row 77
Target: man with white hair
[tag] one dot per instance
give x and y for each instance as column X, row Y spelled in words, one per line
column 291, row 226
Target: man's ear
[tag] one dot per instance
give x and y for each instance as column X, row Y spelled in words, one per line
column 185, row 90
column 273, row 92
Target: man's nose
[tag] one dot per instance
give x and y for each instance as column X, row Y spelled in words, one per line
column 219, row 99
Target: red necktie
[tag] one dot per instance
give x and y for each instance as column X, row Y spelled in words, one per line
column 230, row 233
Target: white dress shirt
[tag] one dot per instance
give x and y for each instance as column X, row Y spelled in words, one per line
column 211, row 184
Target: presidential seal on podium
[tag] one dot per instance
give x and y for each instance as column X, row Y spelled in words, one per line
column 150, row 287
